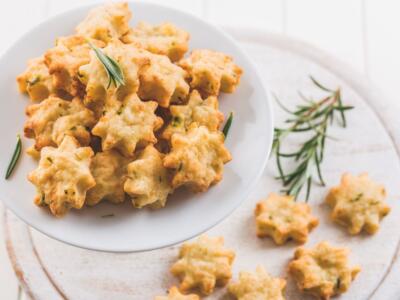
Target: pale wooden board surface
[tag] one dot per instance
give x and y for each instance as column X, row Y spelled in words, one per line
column 333, row 25
column 142, row 275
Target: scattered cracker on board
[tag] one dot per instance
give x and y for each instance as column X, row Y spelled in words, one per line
column 281, row 218
column 322, row 271
column 358, row 203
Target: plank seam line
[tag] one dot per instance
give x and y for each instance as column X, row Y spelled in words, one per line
column 52, row 281
column 19, row 273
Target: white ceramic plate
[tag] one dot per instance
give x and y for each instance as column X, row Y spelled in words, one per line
column 186, row 215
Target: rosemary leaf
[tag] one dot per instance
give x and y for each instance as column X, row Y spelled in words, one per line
column 281, row 104
column 15, row 157
column 228, row 124
column 278, row 163
column 312, row 117
column 113, row 69
column 320, row 85
column 108, row 216
column 317, row 164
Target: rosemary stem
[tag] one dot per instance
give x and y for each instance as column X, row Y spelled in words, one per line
column 315, row 117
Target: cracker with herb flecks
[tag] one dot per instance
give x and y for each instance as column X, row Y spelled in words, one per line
column 36, row 80
column 281, row 218
column 64, row 61
column 258, row 286
column 148, row 181
column 202, row 112
column 99, row 84
column 107, row 22
column 164, row 39
column 358, row 203
column 322, row 271
column 63, row 176
column 211, row 72
column 127, row 123
column 204, row 264
column 197, row 158
column 109, row 171
column 53, row 118
column 162, row 81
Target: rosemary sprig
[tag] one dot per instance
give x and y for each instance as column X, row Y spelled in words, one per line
column 113, row 69
column 227, row 125
column 314, row 117
column 15, row 157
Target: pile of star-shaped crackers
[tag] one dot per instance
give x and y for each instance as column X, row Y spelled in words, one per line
column 139, row 140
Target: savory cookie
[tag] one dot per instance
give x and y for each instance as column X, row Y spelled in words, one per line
column 63, row 176
column 211, row 71
column 258, row 286
column 109, row 171
column 106, row 22
column 50, row 120
column 64, row 61
column 322, row 271
column 95, row 77
column 148, row 181
column 165, row 39
column 198, row 158
column 174, row 294
column 162, row 81
column 203, row 112
column 36, row 80
column 281, row 218
column 204, row 264
column 358, row 203
column 128, row 123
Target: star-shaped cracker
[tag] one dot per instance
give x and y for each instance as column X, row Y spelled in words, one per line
column 358, row 203
column 211, row 71
column 109, row 171
column 63, row 176
column 281, row 218
column 36, row 80
column 148, row 180
column 64, row 60
column 322, row 271
column 258, row 286
column 198, row 158
column 128, row 123
column 165, row 39
column 174, row 294
column 162, row 81
column 204, row 264
column 107, row 22
column 94, row 76
column 50, row 120
column 203, row 112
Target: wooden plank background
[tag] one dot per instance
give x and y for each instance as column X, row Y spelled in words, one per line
column 362, row 33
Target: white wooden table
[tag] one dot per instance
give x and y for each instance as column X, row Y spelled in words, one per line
column 362, row 33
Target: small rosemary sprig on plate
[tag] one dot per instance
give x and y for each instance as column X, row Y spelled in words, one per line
column 113, row 69
column 313, row 117
column 227, row 125
column 15, row 157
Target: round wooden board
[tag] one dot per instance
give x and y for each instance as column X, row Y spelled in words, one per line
column 49, row 269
